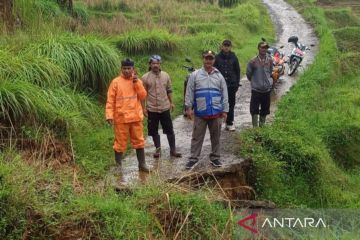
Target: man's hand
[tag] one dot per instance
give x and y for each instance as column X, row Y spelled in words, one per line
column 145, row 112
column 172, row 107
column 189, row 113
column 110, row 122
column 224, row 115
column 135, row 78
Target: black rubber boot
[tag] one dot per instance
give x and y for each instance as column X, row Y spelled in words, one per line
column 118, row 158
column 262, row 121
column 171, row 140
column 140, row 154
column 157, row 144
column 255, row 120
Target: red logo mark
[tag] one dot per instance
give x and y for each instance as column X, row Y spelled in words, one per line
column 253, row 218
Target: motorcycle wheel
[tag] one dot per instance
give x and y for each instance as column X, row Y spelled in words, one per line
column 293, row 66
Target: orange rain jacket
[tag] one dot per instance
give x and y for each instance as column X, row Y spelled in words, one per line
column 124, row 100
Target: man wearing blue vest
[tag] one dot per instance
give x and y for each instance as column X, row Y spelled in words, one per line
column 206, row 102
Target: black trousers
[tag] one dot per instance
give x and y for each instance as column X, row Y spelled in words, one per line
column 232, row 99
column 164, row 118
column 260, row 103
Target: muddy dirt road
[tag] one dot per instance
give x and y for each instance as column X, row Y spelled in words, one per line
column 287, row 22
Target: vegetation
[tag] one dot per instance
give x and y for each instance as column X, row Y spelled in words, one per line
column 308, row 156
column 55, row 148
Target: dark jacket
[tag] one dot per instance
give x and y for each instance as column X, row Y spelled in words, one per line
column 228, row 65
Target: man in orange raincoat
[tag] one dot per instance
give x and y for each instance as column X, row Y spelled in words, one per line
column 124, row 112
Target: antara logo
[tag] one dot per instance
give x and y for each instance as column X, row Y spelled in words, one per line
column 253, row 218
column 281, row 223
column 294, row 222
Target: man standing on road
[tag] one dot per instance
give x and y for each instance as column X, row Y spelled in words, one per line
column 158, row 105
column 228, row 65
column 258, row 72
column 206, row 93
column 124, row 112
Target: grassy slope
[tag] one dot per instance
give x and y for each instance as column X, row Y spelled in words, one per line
column 309, row 156
column 49, row 91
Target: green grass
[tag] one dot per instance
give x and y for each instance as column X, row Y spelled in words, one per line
column 347, row 39
column 339, row 18
column 38, row 70
column 23, row 103
column 89, row 62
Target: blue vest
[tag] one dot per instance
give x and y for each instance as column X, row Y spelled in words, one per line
column 208, row 102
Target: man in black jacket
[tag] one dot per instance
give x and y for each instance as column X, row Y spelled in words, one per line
column 228, row 65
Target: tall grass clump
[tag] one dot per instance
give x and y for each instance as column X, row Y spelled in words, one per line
column 210, row 40
column 80, row 12
column 21, row 101
column 24, row 103
column 248, row 14
column 142, row 42
column 90, row 63
column 34, row 69
column 107, row 5
column 31, row 14
column 48, row 8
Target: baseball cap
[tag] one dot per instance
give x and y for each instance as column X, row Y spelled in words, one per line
column 208, row 53
column 127, row 62
column 227, row 42
column 263, row 44
column 155, row 58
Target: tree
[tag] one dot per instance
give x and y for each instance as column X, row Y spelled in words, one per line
column 6, row 8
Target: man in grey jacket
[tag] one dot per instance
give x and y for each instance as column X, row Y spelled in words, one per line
column 206, row 101
column 259, row 71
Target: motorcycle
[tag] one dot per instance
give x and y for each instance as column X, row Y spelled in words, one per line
column 297, row 54
column 189, row 69
column 279, row 60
